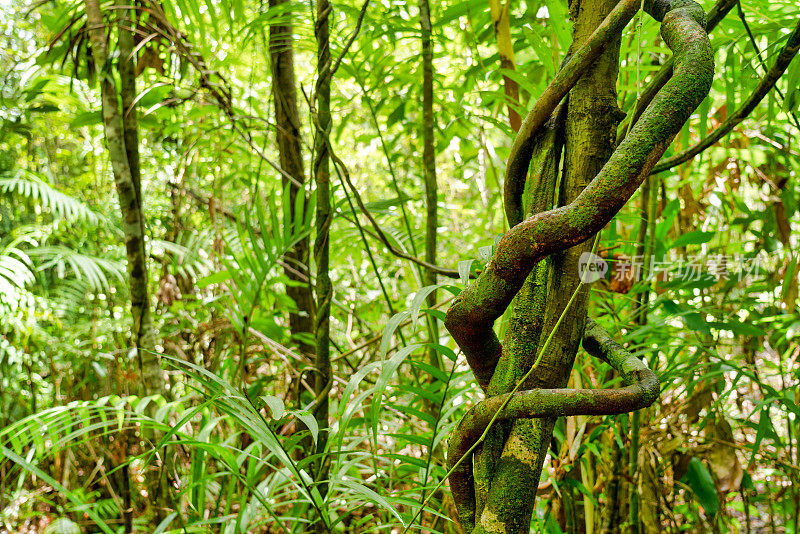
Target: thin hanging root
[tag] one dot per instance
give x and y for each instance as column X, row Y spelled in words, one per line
column 641, row 390
column 471, row 318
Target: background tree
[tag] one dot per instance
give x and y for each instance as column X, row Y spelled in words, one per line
column 121, row 135
column 288, row 137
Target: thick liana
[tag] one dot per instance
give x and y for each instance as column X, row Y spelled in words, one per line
column 641, row 390
column 471, row 318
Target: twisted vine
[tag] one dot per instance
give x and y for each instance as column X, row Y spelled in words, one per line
column 471, row 318
column 640, row 391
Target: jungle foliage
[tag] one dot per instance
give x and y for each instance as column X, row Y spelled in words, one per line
column 257, row 260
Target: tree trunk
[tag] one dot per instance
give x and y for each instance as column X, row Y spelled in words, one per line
column 122, row 141
column 429, row 167
column 591, row 113
column 644, row 250
column 287, row 118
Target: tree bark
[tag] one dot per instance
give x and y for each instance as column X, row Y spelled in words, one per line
column 122, row 141
column 429, row 168
column 287, row 119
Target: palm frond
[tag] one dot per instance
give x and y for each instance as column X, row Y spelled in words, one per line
column 28, row 185
column 189, row 254
column 92, row 269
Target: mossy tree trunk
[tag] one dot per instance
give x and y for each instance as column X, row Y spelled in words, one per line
column 498, row 451
column 583, row 128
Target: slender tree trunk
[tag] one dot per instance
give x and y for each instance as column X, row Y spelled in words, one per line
column 610, row 522
column 122, row 140
column 646, row 245
column 130, row 128
column 323, row 288
column 287, row 118
column 429, row 165
column 505, row 47
column 120, row 132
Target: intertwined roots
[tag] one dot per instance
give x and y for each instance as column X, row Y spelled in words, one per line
column 471, row 318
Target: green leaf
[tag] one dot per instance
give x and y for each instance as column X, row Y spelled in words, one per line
column 738, row 327
column 454, row 11
column 383, row 205
column 793, row 83
column 387, row 372
column 789, row 277
column 730, row 78
column 699, row 479
column 397, row 115
column 764, row 428
column 703, row 111
column 422, row 441
column 463, row 270
column 667, row 219
column 558, row 21
column 89, row 118
column 44, row 108
column 388, row 332
column 697, row 237
column 275, row 404
column 419, row 463
column 442, row 349
column 215, row 278
column 582, row 488
column 371, row 496
column 542, row 49
column 309, row 420
column 62, row 525
column 419, row 300
column 162, row 527
column 696, row 322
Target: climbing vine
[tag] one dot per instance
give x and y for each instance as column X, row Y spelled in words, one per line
column 499, row 498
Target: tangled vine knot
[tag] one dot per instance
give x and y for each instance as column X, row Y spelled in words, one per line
column 471, row 318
